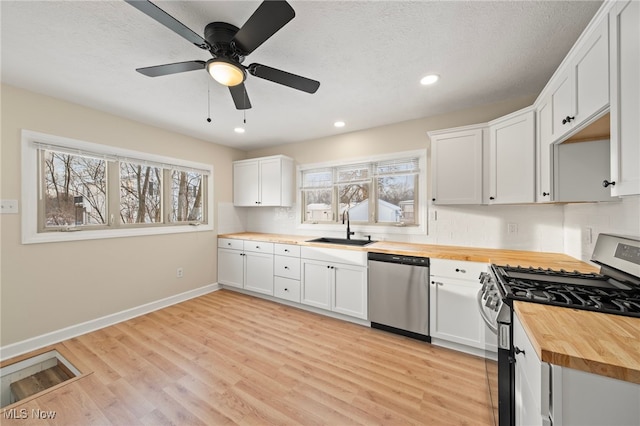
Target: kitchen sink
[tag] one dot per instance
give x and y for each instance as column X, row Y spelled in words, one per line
column 342, row 241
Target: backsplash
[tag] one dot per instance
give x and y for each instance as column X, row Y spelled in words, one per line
column 570, row 228
column 583, row 223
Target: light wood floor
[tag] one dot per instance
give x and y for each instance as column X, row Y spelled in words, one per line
column 227, row 358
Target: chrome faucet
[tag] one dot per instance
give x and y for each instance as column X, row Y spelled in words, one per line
column 349, row 232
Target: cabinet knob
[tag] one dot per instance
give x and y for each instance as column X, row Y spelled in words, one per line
column 544, row 194
column 433, row 199
column 286, row 289
column 606, row 183
column 517, row 350
column 567, row 119
column 492, row 198
column 461, row 270
column 286, row 267
column 286, row 250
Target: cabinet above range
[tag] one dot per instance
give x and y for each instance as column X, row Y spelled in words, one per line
column 263, row 182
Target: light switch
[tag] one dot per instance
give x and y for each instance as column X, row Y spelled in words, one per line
column 9, row 206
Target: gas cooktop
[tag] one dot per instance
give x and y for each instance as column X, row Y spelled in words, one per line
column 589, row 291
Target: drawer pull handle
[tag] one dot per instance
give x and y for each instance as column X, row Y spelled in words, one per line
column 461, row 270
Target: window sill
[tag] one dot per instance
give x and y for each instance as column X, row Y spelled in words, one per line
column 365, row 229
column 54, row 237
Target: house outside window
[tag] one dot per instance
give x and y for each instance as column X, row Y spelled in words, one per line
column 379, row 192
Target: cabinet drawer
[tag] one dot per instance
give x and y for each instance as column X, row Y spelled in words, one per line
column 230, row 243
column 288, row 267
column 456, row 269
column 286, row 288
column 286, row 250
column 258, row 246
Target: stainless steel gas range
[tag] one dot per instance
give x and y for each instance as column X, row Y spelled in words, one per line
column 614, row 290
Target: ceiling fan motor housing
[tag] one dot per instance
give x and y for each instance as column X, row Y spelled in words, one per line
column 220, row 35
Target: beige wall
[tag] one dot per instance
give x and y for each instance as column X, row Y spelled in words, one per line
column 46, row 287
column 405, row 136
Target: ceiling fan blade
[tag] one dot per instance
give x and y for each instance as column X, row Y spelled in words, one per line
column 240, row 97
column 169, row 21
column 284, row 78
column 166, row 69
column 268, row 18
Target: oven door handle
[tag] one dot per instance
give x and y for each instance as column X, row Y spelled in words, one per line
column 483, row 314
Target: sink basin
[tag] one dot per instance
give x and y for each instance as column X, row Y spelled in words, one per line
column 342, row 241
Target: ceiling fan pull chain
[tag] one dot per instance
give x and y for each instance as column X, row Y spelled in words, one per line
column 208, row 102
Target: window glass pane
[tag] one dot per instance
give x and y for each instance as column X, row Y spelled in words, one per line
column 140, row 193
column 317, row 179
column 397, row 199
column 186, row 196
column 318, row 205
column 75, row 190
column 355, row 197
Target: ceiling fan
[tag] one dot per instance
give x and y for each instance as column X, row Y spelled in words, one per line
column 229, row 45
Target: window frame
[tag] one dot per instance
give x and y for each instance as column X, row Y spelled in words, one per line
column 336, row 225
column 32, row 215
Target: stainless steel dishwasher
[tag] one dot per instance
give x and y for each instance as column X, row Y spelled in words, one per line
column 399, row 294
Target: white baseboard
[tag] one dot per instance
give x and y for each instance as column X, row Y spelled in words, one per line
column 28, row 345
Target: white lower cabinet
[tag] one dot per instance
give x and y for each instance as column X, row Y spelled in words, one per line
column 547, row 394
column 286, row 283
column 340, row 287
column 453, row 308
column 246, row 264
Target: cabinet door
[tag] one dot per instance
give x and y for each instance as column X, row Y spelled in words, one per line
column 456, row 167
column 531, row 380
column 259, row 272
column 592, row 75
column 512, row 158
column 270, row 182
column 453, row 312
column 544, row 152
column 245, row 183
column 231, row 267
column 350, row 291
column 316, row 284
column 625, row 98
column 562, row 105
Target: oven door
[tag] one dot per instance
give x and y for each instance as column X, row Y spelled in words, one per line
column 491, row 356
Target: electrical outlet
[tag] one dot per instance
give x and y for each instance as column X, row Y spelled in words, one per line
column 179, row 272
column 512, row 228
column 9, row 206
column 587, row 236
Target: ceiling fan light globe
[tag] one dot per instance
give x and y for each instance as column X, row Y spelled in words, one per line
column 225, row 72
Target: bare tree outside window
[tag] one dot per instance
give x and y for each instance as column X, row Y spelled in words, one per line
column 140, row 193
column 75, row 190
column 186, row 196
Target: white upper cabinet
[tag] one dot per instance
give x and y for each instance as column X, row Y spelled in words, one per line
column 266, row 181
column 544, row 151
column 581, row 90
column 456, row 165
column 512, row 158
column 625, row 98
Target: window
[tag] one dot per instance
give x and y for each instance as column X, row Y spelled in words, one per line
column 106, row 192
column 386, row 191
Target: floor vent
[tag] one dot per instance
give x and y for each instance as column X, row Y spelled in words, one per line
column 33, row 375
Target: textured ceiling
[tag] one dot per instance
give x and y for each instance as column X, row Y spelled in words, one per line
column 369, row 57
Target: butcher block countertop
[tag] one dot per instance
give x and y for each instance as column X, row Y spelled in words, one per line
column 597, row 343
column 471, row 254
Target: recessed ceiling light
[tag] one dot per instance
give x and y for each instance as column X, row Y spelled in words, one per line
column 238, row 130
column 429, row 79
column 339, row 124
